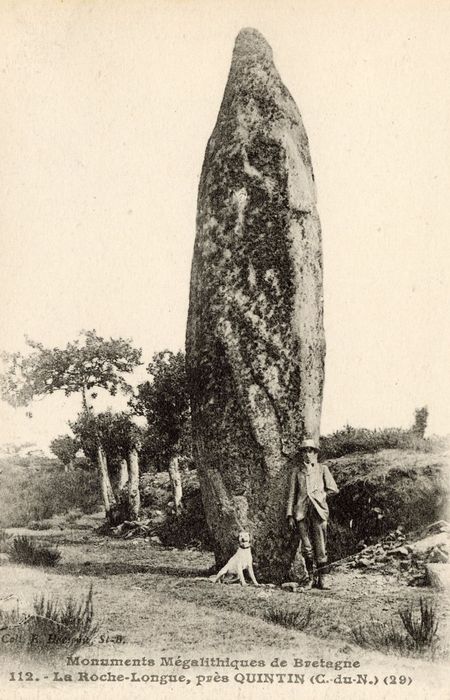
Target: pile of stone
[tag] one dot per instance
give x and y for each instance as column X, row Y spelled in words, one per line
column 133, row 528
column 410, row 556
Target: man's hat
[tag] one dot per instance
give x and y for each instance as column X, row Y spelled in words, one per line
column 308, row 443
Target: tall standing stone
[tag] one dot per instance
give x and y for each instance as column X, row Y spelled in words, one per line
column 255, row 341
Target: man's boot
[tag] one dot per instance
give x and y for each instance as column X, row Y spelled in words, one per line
column 322, row 570
column 309, row 564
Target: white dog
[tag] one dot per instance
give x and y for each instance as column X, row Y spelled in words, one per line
column 240, row 562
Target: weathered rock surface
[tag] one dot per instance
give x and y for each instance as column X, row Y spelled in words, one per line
column 414, row 556
column 255, row 341
column 438, row 576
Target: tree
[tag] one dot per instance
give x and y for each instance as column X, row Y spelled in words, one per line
column 117, row 439
column 164, row 401
column 80, row 367
column 83, row 366
column 65, row 448
column 420, row 421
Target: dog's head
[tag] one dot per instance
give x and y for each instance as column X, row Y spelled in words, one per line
column 244, row 539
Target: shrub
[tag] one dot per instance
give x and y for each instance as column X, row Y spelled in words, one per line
column 25, row 551
column 417, row 634
column 383, row 636
column 292, row 619
column 421, row 626
column 189, row 528
column 71, row 625
column 349, row 440
column 38, row 493
column 5, row 542
column 382, row 491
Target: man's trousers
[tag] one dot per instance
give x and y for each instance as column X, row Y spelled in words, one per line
column 313, row 535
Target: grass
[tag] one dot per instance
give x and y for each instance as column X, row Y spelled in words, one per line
column 416, row 634
column 151, row 596
column 38, row 489
column 350, row 440
column 379, row 492
column 5, row 542
column 421, row 626
column 51, row 626
column 292, row 619
column 24, row 551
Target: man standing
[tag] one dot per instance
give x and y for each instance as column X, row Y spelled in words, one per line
column 307, row 509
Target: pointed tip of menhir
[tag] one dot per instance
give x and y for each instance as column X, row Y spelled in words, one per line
column 250, row 42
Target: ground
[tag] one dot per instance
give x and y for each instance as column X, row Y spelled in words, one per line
column 151, row 596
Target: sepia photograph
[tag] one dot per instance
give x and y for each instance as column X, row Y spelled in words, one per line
column 225, row 348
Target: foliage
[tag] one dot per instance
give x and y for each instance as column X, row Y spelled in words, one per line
column 292, row 619
column 65, row 448
column 90, row 362
column 420, row 625
column 189, row 529
column 5, row 542
column 116, row 432
column 24, row 551
column 382, row 491
column 76, row 619
column 420, row 421
column 349, row 440
column 71, row 625
column 164, row 401
column 384, row 636
column 34, row 492
column 417, row 633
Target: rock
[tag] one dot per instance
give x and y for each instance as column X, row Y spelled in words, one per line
column 399, row 552
column 155, row 539
column 437, row 556
column 427, row 543
column 363, row 562
column 290, row 586
column 438, row 526
column 382, row 556
column 438, row 576
column 269, row 585
column 255, row 339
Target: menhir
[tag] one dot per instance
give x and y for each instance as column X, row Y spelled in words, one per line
column 255, row 340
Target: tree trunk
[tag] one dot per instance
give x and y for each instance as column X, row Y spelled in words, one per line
column 121, row 479
column 175, row 482
column 134, row 499
column 108, row 498
column 123, row 474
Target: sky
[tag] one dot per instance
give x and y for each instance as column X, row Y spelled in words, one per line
column 106, row 111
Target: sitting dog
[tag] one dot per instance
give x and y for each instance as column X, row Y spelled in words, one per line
column 240, row 562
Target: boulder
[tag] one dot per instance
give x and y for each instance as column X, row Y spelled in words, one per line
column 255, row 340
column 438, row 576
column 426, row 544
column 290, row 586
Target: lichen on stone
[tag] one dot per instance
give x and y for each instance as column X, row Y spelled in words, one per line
column 255, row 341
